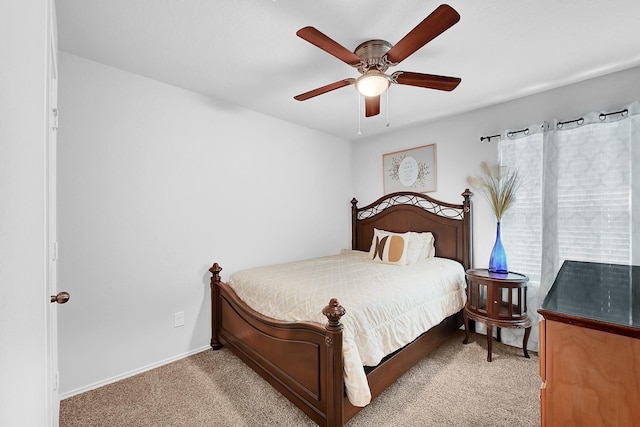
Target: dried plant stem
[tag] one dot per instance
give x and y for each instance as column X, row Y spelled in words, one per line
column 498, row 185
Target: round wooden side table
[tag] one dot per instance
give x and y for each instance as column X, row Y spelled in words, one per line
column 498, row 300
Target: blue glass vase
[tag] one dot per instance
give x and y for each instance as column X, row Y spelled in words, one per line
column 498, row 260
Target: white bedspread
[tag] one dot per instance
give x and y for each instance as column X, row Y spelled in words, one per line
column 387, row 306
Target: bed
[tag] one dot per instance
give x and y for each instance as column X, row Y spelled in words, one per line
column 307, row 361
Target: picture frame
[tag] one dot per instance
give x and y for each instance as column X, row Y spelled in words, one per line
column 413, row 169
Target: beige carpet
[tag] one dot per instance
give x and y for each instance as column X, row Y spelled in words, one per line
column 454, row 386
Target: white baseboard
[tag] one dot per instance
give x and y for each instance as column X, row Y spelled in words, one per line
column 116, row 378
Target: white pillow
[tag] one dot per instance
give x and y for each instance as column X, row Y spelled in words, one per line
column 418, row 247
column 432, row 247
column 389, row 248
column 426, row 241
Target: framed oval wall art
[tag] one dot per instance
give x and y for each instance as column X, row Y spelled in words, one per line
column 410, row 170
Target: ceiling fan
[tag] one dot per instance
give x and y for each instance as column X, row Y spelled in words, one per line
column 373, row 57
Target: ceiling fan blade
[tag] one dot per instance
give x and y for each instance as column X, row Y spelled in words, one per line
column 430, row 81
column 431, row 27
column 324, row 89
column 371, row 106
column 329, row 45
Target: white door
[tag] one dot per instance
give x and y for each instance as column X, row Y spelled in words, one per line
column 26, row 366
column 53, row 250
column 52, row 229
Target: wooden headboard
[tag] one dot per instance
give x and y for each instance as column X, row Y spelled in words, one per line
column 408, row 211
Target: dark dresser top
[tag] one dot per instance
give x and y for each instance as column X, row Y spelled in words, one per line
column 601, row 296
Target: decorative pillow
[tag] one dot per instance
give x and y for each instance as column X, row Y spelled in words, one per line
column 389, row 248
column 377, row 233
column 418, row 247
column 426, row 241
column 432, row 247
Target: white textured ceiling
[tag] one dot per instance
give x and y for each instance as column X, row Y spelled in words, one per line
column 247, row 53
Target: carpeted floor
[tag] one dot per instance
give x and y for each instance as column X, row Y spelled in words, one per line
column 454, row 386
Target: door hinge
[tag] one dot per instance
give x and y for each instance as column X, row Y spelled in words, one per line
column 54, row 251
column 54, row 112
column 56, row 380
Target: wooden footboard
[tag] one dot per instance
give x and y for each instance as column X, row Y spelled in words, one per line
column 303, row 361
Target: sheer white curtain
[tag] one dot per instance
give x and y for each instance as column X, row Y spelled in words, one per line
column 580, row 185
column 523, row 150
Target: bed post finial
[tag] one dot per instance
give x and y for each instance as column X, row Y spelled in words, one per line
column 334, row 311
column 215, row 272
column 354, row 220
column 467, row 199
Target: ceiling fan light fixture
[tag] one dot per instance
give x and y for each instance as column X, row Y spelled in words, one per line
column 372, row 83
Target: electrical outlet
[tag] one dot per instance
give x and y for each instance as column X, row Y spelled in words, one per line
column 178, row 319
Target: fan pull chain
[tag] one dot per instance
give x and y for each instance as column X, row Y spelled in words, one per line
column 387, row 125
column 359, row 103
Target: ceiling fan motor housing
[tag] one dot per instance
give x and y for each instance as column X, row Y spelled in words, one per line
column 372, row 53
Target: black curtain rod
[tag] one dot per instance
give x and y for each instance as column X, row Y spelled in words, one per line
column 489, row 138
column 605, row 115
column 512, row 133
column 578, row 121
column 509, row 135
column 602, row 116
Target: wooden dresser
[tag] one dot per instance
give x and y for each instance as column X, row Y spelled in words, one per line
column 590, row 347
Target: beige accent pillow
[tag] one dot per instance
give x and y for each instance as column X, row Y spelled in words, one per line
column 389, row 248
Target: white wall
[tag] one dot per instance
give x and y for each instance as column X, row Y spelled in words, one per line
column 460, row 152
column 25, row 390
column 156, row 183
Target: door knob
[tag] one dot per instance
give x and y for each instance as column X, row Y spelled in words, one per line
column 61, row 298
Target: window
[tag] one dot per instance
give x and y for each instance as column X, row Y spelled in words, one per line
column 576, row 201
column 576, row 196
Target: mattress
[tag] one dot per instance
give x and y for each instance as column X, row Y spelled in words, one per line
column 387, row 306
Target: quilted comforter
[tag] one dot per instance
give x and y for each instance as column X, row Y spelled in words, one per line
column 387, row 306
